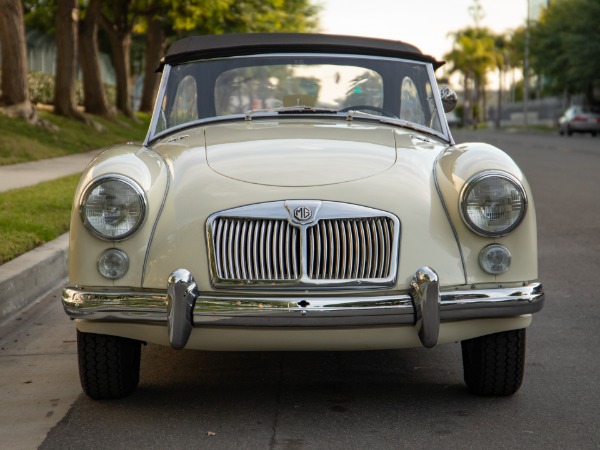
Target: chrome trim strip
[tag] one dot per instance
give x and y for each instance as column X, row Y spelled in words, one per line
column 158, row 215
column 445, row 208
column 158, row 105
column 440, row 112
column 151, row 306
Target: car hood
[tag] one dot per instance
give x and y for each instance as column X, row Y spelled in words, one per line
column 299, row 154
column 395, row 174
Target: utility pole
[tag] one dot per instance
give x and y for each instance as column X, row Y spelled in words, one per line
column 526, row 69
column 476, row 12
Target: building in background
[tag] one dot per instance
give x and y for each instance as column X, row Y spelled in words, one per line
column 536, row 7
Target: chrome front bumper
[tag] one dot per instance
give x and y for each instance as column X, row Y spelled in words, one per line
column 183, row 307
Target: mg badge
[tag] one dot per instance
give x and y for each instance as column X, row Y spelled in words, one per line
column 302, row 213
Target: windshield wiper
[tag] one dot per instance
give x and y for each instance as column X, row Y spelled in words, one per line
column 291, row 110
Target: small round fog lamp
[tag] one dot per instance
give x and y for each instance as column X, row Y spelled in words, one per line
column 113, row 264
column 494, row 259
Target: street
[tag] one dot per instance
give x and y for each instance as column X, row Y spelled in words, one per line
column 352, row 400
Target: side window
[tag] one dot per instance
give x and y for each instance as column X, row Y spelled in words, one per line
column 185, row 106
column 410, row 103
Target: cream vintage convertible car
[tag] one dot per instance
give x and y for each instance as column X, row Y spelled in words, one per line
column 301, row 192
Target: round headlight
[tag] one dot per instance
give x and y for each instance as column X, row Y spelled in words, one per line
column 113, row 208
column 493, row 203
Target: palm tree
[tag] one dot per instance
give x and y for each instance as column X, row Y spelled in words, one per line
column 473, row 54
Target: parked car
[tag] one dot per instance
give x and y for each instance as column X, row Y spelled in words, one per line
column 578, row 119
column 301, row 192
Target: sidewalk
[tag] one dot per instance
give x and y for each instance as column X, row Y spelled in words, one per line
column 26, row 174
column 27, row 277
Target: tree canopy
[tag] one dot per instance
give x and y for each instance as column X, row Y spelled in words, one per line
column 565, row 45
column 139, row 30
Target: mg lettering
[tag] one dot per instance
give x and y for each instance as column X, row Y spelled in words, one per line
column 302, row 213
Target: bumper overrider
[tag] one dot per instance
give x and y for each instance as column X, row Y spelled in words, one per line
column 183, row 307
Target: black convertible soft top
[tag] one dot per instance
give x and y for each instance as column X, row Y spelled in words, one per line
column 224, row 45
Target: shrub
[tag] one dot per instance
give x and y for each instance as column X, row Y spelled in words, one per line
column 41, row 89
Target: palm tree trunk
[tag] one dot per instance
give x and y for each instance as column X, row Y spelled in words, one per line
column 119, row 35
column 65, row 103
column 155, row 43
column 15, row 94
column 95, row 101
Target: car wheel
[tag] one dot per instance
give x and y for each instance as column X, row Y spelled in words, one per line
column 109, row 366
column 494, row 364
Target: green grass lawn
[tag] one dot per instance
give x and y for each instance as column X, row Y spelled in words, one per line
column 32, row 216
column 22, row 142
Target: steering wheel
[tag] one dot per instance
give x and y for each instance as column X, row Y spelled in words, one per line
column 369, row 108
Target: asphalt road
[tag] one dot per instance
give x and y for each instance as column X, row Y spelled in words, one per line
column 356, row 400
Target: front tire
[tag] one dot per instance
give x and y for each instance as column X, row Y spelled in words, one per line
column 494, row 364
column 109, row 366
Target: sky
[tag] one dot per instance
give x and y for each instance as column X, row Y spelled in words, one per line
column 424, row 23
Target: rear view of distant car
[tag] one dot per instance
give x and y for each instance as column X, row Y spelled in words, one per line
column 578, row 119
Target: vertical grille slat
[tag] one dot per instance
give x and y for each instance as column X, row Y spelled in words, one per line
column 225, row 260
column 389, row 238
column 331, row 251
column 356, row 239
column 270, row 249
column 374, row 232
column 343, row 249
column 249, row 250
column 283, row 256
column 338, row 250
column 317, row 254
column 368, row 250
column 236, row 255
column 218, row 230
column 267, row 246
column 295, row 254
column 243, row 255
column 363, row 250
column 274, row 238
column 350, row 247
column 254, row 254
column 261, row 255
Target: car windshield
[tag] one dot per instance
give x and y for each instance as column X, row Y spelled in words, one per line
column 251, row 86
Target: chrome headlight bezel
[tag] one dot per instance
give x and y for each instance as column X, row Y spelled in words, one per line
column 468, row 188
column 138, row 192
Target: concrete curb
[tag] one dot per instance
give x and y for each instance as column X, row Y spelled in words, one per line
column 29, row 276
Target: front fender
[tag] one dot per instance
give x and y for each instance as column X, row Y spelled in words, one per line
column 146, row 168
column 455, row 166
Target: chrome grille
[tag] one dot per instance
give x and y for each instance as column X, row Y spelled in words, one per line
column 346, row 249
column 256, row 249
column 337, row 244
